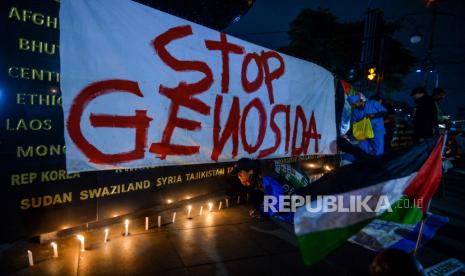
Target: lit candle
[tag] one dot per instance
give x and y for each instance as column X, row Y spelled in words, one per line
column 29, row 256
column 159, row 221
column 174, row 217
column 81, row 238
column 126, row 227
column 201, row 210
column 106, row 235
column 227, row 202
column 146, row 223
column 55, row 249
column 210, row 206
column 238, row 199
column 189, row 209
column 221, row 203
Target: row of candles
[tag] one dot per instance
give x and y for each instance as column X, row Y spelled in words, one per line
column 126, row 227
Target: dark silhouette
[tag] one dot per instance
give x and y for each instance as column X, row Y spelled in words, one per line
column 425, row 118
column 389, row 123
column 392, row 262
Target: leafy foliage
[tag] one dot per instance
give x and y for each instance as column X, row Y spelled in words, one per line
column 318, row 36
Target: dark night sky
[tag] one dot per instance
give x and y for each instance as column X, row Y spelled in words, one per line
column 267, row 22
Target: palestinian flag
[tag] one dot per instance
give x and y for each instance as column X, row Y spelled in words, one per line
column 346, row 108
column 406, row 178
column 349, row 90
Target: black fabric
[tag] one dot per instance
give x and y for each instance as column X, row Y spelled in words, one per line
column 389, row 125
column 371, row 171
column 340, row 100
column 425, row 119
column 345, row 146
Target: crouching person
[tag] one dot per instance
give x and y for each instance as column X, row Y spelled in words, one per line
column 269, row 178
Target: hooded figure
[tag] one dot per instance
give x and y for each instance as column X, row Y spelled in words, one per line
column 375, row 112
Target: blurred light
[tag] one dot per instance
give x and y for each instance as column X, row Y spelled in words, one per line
column 430, row 2
column 311, row 165
column 371, row 73
column 188, row 197
column 328, row 168
column 106, row 235
column 55, row 249
column 418, row 71
column 237, row 18
column 53, row 90
column 431, row 71
column 126, row 227
column 81, row 239
column 189, row 209
column 415, row 38
column 169, row 201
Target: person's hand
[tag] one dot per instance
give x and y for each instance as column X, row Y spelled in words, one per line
column 254, row 213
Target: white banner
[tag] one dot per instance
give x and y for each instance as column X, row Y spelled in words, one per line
column 143, row 88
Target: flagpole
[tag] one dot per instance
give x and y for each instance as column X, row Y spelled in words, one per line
column 425, row 215
column 420, row 232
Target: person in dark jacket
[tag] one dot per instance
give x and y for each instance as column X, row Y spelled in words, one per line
column 425, row 118
column 389, row 123
column 249, row 172
column 267, row 177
